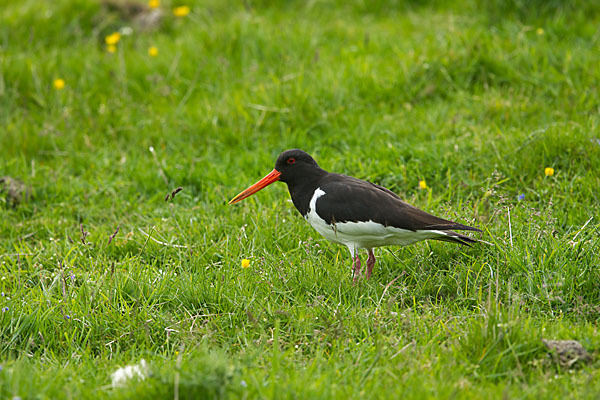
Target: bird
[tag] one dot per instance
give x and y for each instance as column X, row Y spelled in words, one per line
column 352, row 212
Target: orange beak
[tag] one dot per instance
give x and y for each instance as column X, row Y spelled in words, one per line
column 273, row 176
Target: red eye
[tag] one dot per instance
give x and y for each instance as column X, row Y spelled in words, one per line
column 291, row 160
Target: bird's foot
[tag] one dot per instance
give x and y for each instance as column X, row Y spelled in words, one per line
column 370, row 264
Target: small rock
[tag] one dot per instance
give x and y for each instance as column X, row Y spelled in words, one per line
column 567, row 352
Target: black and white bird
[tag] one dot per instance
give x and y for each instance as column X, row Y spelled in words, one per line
column 352, row 212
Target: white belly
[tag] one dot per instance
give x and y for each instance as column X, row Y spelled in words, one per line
column 365, row 235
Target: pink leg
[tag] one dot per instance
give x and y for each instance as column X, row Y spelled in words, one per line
column 370, row 263
column 356, row 268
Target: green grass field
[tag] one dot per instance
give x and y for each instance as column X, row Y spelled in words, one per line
column 477, row 98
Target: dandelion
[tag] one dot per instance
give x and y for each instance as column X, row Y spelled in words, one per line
column 422, row 185
column 111, row 48
column 154, row 3
column 152, row 51
column 539, row 31
column 549, row 171
column 181, row 11
column 113, row 38
column 521, row 197
column 59, row 84
column 245, row 263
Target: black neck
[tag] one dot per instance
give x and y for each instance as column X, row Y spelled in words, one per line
column 302, row 190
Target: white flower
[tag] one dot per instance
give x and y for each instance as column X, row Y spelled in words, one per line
column 122, row 375
column 126, row 30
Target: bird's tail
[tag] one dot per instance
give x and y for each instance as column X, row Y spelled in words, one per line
column 454, row 237
column 453, row 226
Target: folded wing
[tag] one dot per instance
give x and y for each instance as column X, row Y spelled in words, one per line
column 365, row 201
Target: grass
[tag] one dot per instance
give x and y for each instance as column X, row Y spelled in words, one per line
column 476, row 98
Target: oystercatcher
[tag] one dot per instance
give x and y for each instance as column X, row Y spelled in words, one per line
column 352, row 212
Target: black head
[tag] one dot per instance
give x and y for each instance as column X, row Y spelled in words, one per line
column 293, row 167
column 296, row 165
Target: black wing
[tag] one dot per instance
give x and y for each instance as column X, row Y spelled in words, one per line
column 350, row 199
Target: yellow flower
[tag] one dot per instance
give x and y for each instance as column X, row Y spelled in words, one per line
column 181, row 11
column 422, row 185
column 245, row 263
column 111, row 48
column 59, row 84
column 154, row 3
column 539, row 31
column 152, row 51
column 549, row 171
column 113, row 38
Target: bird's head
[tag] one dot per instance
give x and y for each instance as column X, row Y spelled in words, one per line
column 295, row 165
column 291, row 166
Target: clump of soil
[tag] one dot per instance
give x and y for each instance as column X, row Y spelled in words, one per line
column 567, row 353
column 138, row 13
column 14, row 190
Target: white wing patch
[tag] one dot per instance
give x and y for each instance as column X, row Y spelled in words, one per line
column 312, row 206
column 364, row 234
